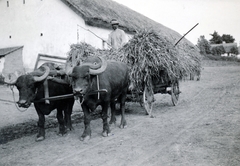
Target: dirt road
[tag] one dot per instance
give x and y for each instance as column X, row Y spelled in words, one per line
column 202, row 130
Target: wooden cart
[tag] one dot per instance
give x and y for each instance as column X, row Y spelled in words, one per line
column 146, row 96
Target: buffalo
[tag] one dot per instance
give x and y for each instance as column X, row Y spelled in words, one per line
column 100, row 82
column 31, row 90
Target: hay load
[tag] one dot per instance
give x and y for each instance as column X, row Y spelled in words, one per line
column 150, row 55
column 77, row 54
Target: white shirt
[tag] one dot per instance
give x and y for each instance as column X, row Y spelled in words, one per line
column 117, row 38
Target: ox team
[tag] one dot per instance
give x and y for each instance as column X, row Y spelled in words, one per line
column 95, row 82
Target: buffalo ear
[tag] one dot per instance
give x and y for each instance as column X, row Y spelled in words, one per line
column 10, row 79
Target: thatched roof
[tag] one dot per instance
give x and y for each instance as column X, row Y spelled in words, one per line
column 99, row 13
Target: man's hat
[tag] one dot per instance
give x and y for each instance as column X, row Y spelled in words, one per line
column 114, row 22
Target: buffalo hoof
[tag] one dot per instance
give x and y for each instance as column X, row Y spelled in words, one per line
column 86, row 138
column 123, row 126
column 104, row 133
column 41, row 138
column 61, row 133
column 69, row 128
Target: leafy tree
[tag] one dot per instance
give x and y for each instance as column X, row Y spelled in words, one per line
column 216, row 38
column 227, row 38
column 203, row 45
column 234, row 50
column 219, row 50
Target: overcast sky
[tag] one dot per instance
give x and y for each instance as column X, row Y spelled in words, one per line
column 222, row 16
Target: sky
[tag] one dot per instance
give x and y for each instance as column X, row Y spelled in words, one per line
column 222, row 16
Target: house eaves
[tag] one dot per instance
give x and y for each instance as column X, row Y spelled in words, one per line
column 8, row 50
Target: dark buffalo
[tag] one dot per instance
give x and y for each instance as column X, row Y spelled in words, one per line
column 97, row 74
column 31, row 88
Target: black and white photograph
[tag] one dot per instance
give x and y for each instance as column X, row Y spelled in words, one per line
column 120, row 83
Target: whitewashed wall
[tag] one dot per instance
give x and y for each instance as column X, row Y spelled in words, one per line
column 43, row 26
column 2, row 60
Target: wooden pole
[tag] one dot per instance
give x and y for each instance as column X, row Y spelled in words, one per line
column 185, row 34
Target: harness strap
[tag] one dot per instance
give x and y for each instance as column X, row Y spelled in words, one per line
column 46, row 91
column 98, row 87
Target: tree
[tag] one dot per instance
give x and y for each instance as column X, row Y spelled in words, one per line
column 234, row 50
column 216, row 38
column 219, row 50
column 227, row 38
column 203, row 45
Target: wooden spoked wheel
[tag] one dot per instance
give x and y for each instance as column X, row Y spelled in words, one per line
column 148, row 101
column 175, row 92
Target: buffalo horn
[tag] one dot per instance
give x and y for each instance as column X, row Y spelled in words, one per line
column 92, row 65
column 44, row 76
column 101, row 69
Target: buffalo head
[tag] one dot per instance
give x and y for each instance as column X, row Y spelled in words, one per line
column 26, row 85
column 82, row 75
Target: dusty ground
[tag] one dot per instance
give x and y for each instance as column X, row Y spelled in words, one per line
column 202, row 130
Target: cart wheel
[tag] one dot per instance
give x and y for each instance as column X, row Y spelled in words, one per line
column 175, row 92
column 148, row 101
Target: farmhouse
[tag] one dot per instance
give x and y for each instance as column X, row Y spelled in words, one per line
column 49, row 27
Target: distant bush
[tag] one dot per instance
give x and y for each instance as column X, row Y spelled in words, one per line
column 234, row 50
column 219, row 50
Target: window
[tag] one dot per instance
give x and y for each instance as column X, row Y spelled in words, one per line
column 7, row 4
column 23, row 1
